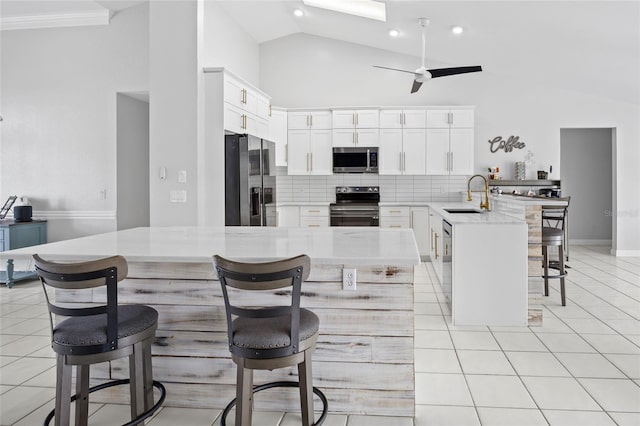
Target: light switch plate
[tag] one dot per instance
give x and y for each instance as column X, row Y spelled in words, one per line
column 178, row 196
column 349, row 279
column 182, row 176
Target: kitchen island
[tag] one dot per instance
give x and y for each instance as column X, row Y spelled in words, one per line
column 364, row 360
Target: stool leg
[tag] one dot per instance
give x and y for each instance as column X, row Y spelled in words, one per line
column 63, row 391
column 561, row 262
column 82, row 395
column 148, row 376
column 306, row 389
column 244, row 394
column 136, row 384
column 546, row 270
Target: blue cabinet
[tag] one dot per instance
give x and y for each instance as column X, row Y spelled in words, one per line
column 15, row 235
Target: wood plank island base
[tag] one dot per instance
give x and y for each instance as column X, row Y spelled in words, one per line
column 364, row 361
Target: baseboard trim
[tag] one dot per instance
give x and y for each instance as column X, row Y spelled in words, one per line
column 73, row 214
column 589, row 242
column 625, row 253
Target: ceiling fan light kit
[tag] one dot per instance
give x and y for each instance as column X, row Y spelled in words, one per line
column 424, row 74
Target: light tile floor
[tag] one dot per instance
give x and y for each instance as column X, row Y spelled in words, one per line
column 582, row 367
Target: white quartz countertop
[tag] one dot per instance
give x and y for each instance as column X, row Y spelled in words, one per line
column 404, row 203
column 339, row 245
column 483, row 218
column 302, row 203
column 527, row 200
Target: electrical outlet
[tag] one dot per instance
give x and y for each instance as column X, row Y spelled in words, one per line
column 349, row 279
column 182, row 176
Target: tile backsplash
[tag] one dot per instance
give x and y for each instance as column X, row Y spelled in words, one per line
column 392, row 188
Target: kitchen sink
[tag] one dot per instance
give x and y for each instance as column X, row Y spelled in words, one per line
column 462, row 210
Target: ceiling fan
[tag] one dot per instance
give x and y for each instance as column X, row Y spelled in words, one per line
column 423, row 74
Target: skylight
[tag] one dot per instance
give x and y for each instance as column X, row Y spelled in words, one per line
column 366, row 8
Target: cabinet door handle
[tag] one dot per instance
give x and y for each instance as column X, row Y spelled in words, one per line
column 446, row 249
column 404, row 161
column 368, row 160
column 269, row 110
column 307, row 161
column 357, row 139
column 451, row 153
column 286, row 152
column 308, row 125
column 404, row 119
column 436, row 245
column 394, row 211
column 356, row 118
column 311, row 116
column 314, row 211
column 395, row 226
column 353, row 118
column 353, row 138
column 311, row 161
column 400, row 154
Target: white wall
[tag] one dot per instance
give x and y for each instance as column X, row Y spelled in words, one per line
column 227, row 45
column 173, row 81
column 132, row 162
column 58, row 143
column 308, row 71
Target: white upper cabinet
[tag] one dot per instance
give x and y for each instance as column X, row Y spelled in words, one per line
column 450, row 118
column 402, row 152
column 450, row 152
column 450, row 142
column 355, row 119
column 352, row 128
column 300, row 120
column 399, row 119
column 309, row 152
column 246, row 109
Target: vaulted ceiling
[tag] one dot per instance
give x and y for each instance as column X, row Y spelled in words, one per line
column 587, row 46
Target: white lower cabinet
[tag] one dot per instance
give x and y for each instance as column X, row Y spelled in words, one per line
column 395, row 217
column 416, row 218
column 435, row 242
column 288, row 216
column 314, row 216
column 420, row 226
column 307, row 216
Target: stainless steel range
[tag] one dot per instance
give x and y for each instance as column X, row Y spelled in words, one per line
column 355, row 206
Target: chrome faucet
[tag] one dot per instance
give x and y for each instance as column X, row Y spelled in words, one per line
column 483, row 204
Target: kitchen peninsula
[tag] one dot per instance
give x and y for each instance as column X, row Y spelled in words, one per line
column 364, row 360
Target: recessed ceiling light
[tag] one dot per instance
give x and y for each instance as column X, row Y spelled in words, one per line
column 298, row 13
column 457, row 29
column 394, row 33
column 365, row 8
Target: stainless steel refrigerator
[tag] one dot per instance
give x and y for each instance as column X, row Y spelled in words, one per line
column 250, row 182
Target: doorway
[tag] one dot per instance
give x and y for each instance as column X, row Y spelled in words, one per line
column 587, row 174
column 132, row 170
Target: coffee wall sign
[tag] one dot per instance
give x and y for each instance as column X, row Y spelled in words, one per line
column 498, row 143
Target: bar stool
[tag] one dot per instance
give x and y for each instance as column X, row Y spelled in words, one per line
column 266, row 338
column 95, row 334
column 554, row 219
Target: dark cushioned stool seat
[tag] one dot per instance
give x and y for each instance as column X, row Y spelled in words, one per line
column 272, row 332
column 92, row 330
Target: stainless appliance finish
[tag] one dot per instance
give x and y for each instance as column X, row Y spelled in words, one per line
column 250, row 182
column 355, row 160
column 447, row 264
column 355, row 206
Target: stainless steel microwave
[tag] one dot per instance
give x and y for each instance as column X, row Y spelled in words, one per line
column 355, row 160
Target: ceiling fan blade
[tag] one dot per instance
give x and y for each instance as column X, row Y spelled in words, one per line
column 416, row 86
column 443, row 72
column 393, row 69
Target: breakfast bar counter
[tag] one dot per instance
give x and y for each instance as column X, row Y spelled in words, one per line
column 364, row 361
